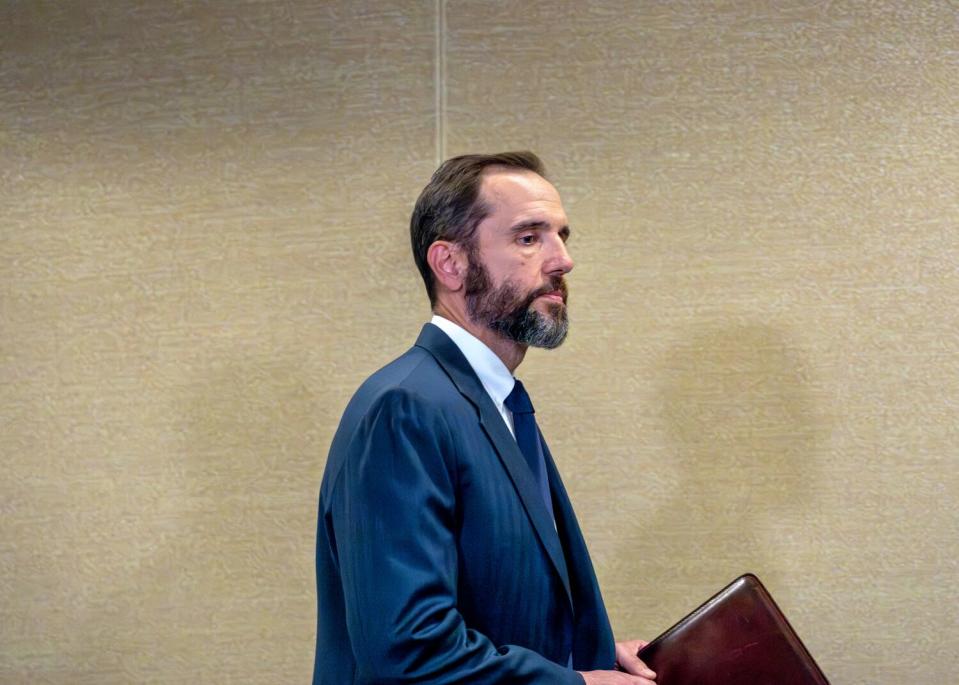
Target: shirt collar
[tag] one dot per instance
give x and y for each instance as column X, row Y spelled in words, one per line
column 492, row 372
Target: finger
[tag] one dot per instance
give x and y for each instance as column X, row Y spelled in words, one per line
column 614, row 678
column 631, row 663
column 640, row 680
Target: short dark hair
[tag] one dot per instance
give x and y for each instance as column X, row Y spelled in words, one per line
column 449, row 208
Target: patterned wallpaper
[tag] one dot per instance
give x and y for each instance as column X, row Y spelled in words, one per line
column 203, row 251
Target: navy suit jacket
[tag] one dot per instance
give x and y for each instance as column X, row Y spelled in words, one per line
column 436, row 558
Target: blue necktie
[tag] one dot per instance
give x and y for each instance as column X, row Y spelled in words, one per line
column 527, row 437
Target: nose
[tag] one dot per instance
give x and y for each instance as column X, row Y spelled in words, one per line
column 559, row 262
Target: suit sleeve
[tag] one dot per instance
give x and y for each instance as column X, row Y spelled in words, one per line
column 393, row 517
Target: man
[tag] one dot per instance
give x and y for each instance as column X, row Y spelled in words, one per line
column 447, row 549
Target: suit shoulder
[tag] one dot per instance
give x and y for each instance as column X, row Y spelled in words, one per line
column 412, row 391
column 415, row 381
column 415, row 373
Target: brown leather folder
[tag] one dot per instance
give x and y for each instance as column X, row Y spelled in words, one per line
column 738, row 637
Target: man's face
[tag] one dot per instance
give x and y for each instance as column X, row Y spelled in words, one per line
column 514, row 285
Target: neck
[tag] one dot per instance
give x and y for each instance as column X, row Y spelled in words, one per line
column 510, row 352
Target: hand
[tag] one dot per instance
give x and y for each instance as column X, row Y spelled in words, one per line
column 630, row 670
column 627, row 659
column 614, row 678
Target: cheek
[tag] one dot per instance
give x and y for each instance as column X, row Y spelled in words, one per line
column 518, row 269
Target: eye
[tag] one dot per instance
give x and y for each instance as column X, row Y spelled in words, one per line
column 527, row 239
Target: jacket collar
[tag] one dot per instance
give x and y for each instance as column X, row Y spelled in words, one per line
column 448, row 355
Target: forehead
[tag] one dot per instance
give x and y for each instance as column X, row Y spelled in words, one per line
column 515, row 195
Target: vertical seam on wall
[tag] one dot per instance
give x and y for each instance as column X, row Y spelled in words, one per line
column 439, row 79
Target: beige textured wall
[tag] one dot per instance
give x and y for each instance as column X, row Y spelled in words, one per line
column 203, row 251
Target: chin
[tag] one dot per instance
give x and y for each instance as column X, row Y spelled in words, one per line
column 551, row 308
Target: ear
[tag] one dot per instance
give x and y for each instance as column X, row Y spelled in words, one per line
column 449, row 264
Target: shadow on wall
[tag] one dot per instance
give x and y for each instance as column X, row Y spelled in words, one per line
column 741, row 437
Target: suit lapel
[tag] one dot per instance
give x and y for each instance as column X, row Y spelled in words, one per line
column 592, row 634
column 461, row 373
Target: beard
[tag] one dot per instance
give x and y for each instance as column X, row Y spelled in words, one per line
column 507, row 311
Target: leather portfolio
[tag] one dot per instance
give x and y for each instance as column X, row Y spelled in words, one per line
column 738, row 637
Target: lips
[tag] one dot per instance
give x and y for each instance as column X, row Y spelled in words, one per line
column 554, row 296
column 553, row 291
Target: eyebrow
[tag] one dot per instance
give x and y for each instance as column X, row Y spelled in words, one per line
column 564, row 232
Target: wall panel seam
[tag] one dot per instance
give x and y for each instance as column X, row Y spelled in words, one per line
column 439, row 79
